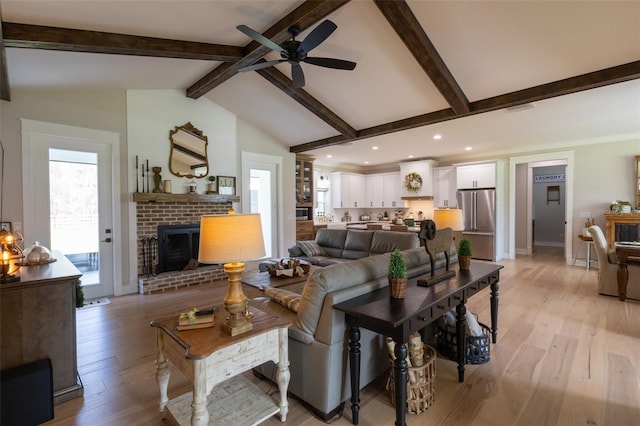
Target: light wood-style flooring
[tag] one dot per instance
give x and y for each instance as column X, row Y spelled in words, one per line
column 565, row 356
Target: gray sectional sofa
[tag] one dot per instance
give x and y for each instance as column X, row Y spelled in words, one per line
column 343, row 245
column 318, row 342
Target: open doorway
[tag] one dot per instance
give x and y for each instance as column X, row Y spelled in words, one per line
column 521, row 209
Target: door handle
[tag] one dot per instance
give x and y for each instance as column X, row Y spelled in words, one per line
column 108, row 240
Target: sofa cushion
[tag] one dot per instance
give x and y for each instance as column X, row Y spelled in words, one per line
column 387, row 241
column 286, row 298
column 357, row 244
column 311, row 248
column 332, row 240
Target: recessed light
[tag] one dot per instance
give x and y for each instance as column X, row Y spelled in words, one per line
column 374, row 148
column 437, row 137
column 468, row 148
column 329, row 155
column 410, row 156
column 366, row 162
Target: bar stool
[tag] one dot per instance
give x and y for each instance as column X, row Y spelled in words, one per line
column 589, row 242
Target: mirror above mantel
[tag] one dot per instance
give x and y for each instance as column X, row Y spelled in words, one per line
column 188, row 157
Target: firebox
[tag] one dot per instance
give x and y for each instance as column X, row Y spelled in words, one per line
column 177, row 246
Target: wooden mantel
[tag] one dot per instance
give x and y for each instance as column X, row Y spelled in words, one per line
column 161, row 197
column 613, row 219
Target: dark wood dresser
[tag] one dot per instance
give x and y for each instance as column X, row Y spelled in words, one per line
column 38, row 321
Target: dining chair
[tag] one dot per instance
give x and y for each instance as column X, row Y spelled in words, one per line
column 608, row 268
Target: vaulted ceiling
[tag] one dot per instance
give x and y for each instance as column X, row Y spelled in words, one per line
column 499, row 77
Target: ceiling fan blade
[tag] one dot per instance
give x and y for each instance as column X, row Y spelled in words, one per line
column 317, row 36
column 260, row 65
column 338, row 64
column 262, row 39
column 297, row 76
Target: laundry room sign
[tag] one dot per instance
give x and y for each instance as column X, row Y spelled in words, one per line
column 549, row 178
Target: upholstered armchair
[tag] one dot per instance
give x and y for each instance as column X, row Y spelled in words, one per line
column 608, row 268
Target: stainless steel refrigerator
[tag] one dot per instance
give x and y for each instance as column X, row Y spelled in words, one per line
column 478, row 211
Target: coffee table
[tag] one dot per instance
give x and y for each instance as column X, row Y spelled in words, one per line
column 253, row 284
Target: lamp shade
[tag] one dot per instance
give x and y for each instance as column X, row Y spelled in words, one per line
column 230, row 238
column 448, row 218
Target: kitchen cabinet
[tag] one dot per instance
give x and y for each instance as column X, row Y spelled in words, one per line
column 373, row 191
column 347, row 190
column 424, row 169
column 304, row 182
column 444, row 187
column 476, row 176
column 304, row 197
column 304, row 230
column 391, row 190
column 382, row 190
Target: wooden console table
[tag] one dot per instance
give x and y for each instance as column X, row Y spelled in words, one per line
column 613, row 219
column 208, row 357
column 398, row 318
column 38, row 321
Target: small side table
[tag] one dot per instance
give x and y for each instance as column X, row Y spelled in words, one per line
column 208, row 357
column 589, row 242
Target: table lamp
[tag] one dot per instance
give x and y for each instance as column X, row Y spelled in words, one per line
column 10, row 252
column 446, row 221
column 231, row 239
column 448, row 218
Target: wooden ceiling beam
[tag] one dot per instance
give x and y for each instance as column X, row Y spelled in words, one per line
column 304, row 16
column 71, row 40
column 284, row 83
column 567, row 86
column 410, row 31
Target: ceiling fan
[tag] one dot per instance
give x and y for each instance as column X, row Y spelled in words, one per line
column 294, row 51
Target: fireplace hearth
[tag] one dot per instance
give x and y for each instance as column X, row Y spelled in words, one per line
column 177, row 246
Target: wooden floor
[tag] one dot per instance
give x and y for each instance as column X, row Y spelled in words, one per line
column 565, row 356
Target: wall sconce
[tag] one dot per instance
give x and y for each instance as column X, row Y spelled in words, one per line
column 10, row 252
column 231, row 239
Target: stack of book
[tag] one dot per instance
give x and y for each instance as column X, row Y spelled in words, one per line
column 196, row 319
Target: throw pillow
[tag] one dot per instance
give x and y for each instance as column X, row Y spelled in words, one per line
column 311, row 248
column 286, row 298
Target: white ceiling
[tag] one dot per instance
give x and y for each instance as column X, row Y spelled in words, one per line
column 491, row 48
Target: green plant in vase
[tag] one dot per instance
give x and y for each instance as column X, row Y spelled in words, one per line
column 464, row 253
column 211, row 186
column 397, row 275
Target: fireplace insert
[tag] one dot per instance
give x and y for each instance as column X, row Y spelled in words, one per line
column 177, row 246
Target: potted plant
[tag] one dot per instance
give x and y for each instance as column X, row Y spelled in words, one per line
column 397, row 275
column 211, row 186
column 464, row 253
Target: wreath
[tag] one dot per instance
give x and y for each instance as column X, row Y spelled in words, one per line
column 412, row 182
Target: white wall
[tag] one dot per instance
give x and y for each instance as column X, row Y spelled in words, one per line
column 143, row 119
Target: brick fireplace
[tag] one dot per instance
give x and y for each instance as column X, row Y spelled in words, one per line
column 153, row 210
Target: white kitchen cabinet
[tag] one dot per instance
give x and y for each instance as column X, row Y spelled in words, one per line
column 347, row 190
column 382, row 190
column 422, row 168
column 357, row 183
column 391, row 186
column 444, row 187
column 476, row 176
column 373, row 191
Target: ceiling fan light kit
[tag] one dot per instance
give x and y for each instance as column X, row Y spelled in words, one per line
column 294, row 51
